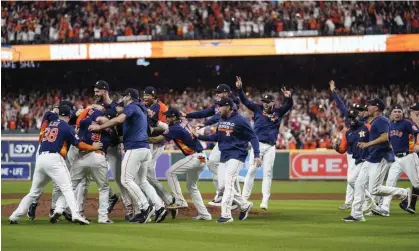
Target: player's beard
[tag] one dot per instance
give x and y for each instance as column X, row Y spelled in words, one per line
column 98, row 98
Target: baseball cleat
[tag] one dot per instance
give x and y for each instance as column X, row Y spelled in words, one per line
column 112, row 202
column 81, row 220
column 136, row 218
column 345, row 207
column 32, row 211
column 128, row 217
column 108, row 221
column 379, row 211
column 173, row 212
column 147, row 214
column 161, row 215
column 68, row 217
column 216, row 202
column 54, row 218
column 352, row 219
column 243, row 214
column 225, row 220
column 202, row 217
column 403, row 206
column 13, row 220
column 264, row 206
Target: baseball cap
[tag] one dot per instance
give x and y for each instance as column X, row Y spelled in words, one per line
column 68, row 103
column 172, row 112
column 359, row 107
column 377, row 102
column 102, row 85
column 224, row 101
column 150, row 90
column 415, row 107
column 222, row 88
column 132, row 92
column 353, row 113
column 396, row 106
column 267, row 98
column 64, row 110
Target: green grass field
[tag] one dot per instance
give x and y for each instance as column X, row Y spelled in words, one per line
column 293, row 225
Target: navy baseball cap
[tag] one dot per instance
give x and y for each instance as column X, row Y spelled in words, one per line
column 415, row 107
column 359, row 107
column 132, row 92
column 101, row 85
column 172, row 112
column 378, row 103
column 268, row 98
column 64, row 110
column 353, row 113
column 223, row 88
column 396, row 106
column 150, row 90
column 225, row 102
column 68, row 103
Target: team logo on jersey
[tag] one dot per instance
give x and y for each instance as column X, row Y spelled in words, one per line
column 361, row 134
column 396, row 133
column 273, row 117
column 226, row 127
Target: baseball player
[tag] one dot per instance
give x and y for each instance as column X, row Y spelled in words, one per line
column 267, row 120
column 406, row 160
column 136, row 158
column 221, row 91
column 156, row 118
column 51, row 165
column 114, row 155
column 377, row 163
column 47, row 118
column 192, row 164
column 233, row 136
column 357, row 132
column 351, row 161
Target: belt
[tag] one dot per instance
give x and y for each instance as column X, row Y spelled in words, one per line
column 47, row 152
column 359, row 161
column 267, row 142
column 401, row 155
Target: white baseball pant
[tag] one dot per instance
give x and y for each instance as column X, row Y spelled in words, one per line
column 49, row 166
column 94, row 164
column 350, row 189
column 374, row 174
column 156, row 151
column 192, row 165
column 114, row 157
column 134, row 165
column 408, row 164
column 267, row 154
column 227, row 176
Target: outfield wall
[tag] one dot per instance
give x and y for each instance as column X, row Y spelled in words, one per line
column 18, row 161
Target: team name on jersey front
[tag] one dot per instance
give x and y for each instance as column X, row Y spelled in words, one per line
column 226, row 127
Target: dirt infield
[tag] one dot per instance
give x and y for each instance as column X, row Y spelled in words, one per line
column 92, row 204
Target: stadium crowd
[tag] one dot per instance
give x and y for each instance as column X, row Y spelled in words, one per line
column 87, row 21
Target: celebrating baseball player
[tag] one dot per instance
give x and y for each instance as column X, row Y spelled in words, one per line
column 156, row 119
column 377, row 163
column 350, row 160
column 51, row 165
column 135, row 162
column 221, row 91
column 406, row 160
column 267, row 120
column 192, row 164
column 233, row 136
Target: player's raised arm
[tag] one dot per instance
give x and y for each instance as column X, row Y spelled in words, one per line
column 249, row 104
column 341, row 106
column 288, row 102
column 213, row 120
column 208, row 112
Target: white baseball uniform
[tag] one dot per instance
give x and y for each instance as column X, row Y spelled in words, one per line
column 350, row 188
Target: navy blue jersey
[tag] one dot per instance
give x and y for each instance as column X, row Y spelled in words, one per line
column 135, row 126
column 352, row 137
column 266, row 125
column 384, row 150
column 400, row 132
column 106, row 136
column 58, row 135
column 233, row 137
column 48, row 117
column 183, row 139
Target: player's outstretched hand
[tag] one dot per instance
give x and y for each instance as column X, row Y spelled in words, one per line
column 239, row 83
column 332, row 86
column 97, row 145
column 94, row 128
column 285, row 92
column 258, row 162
